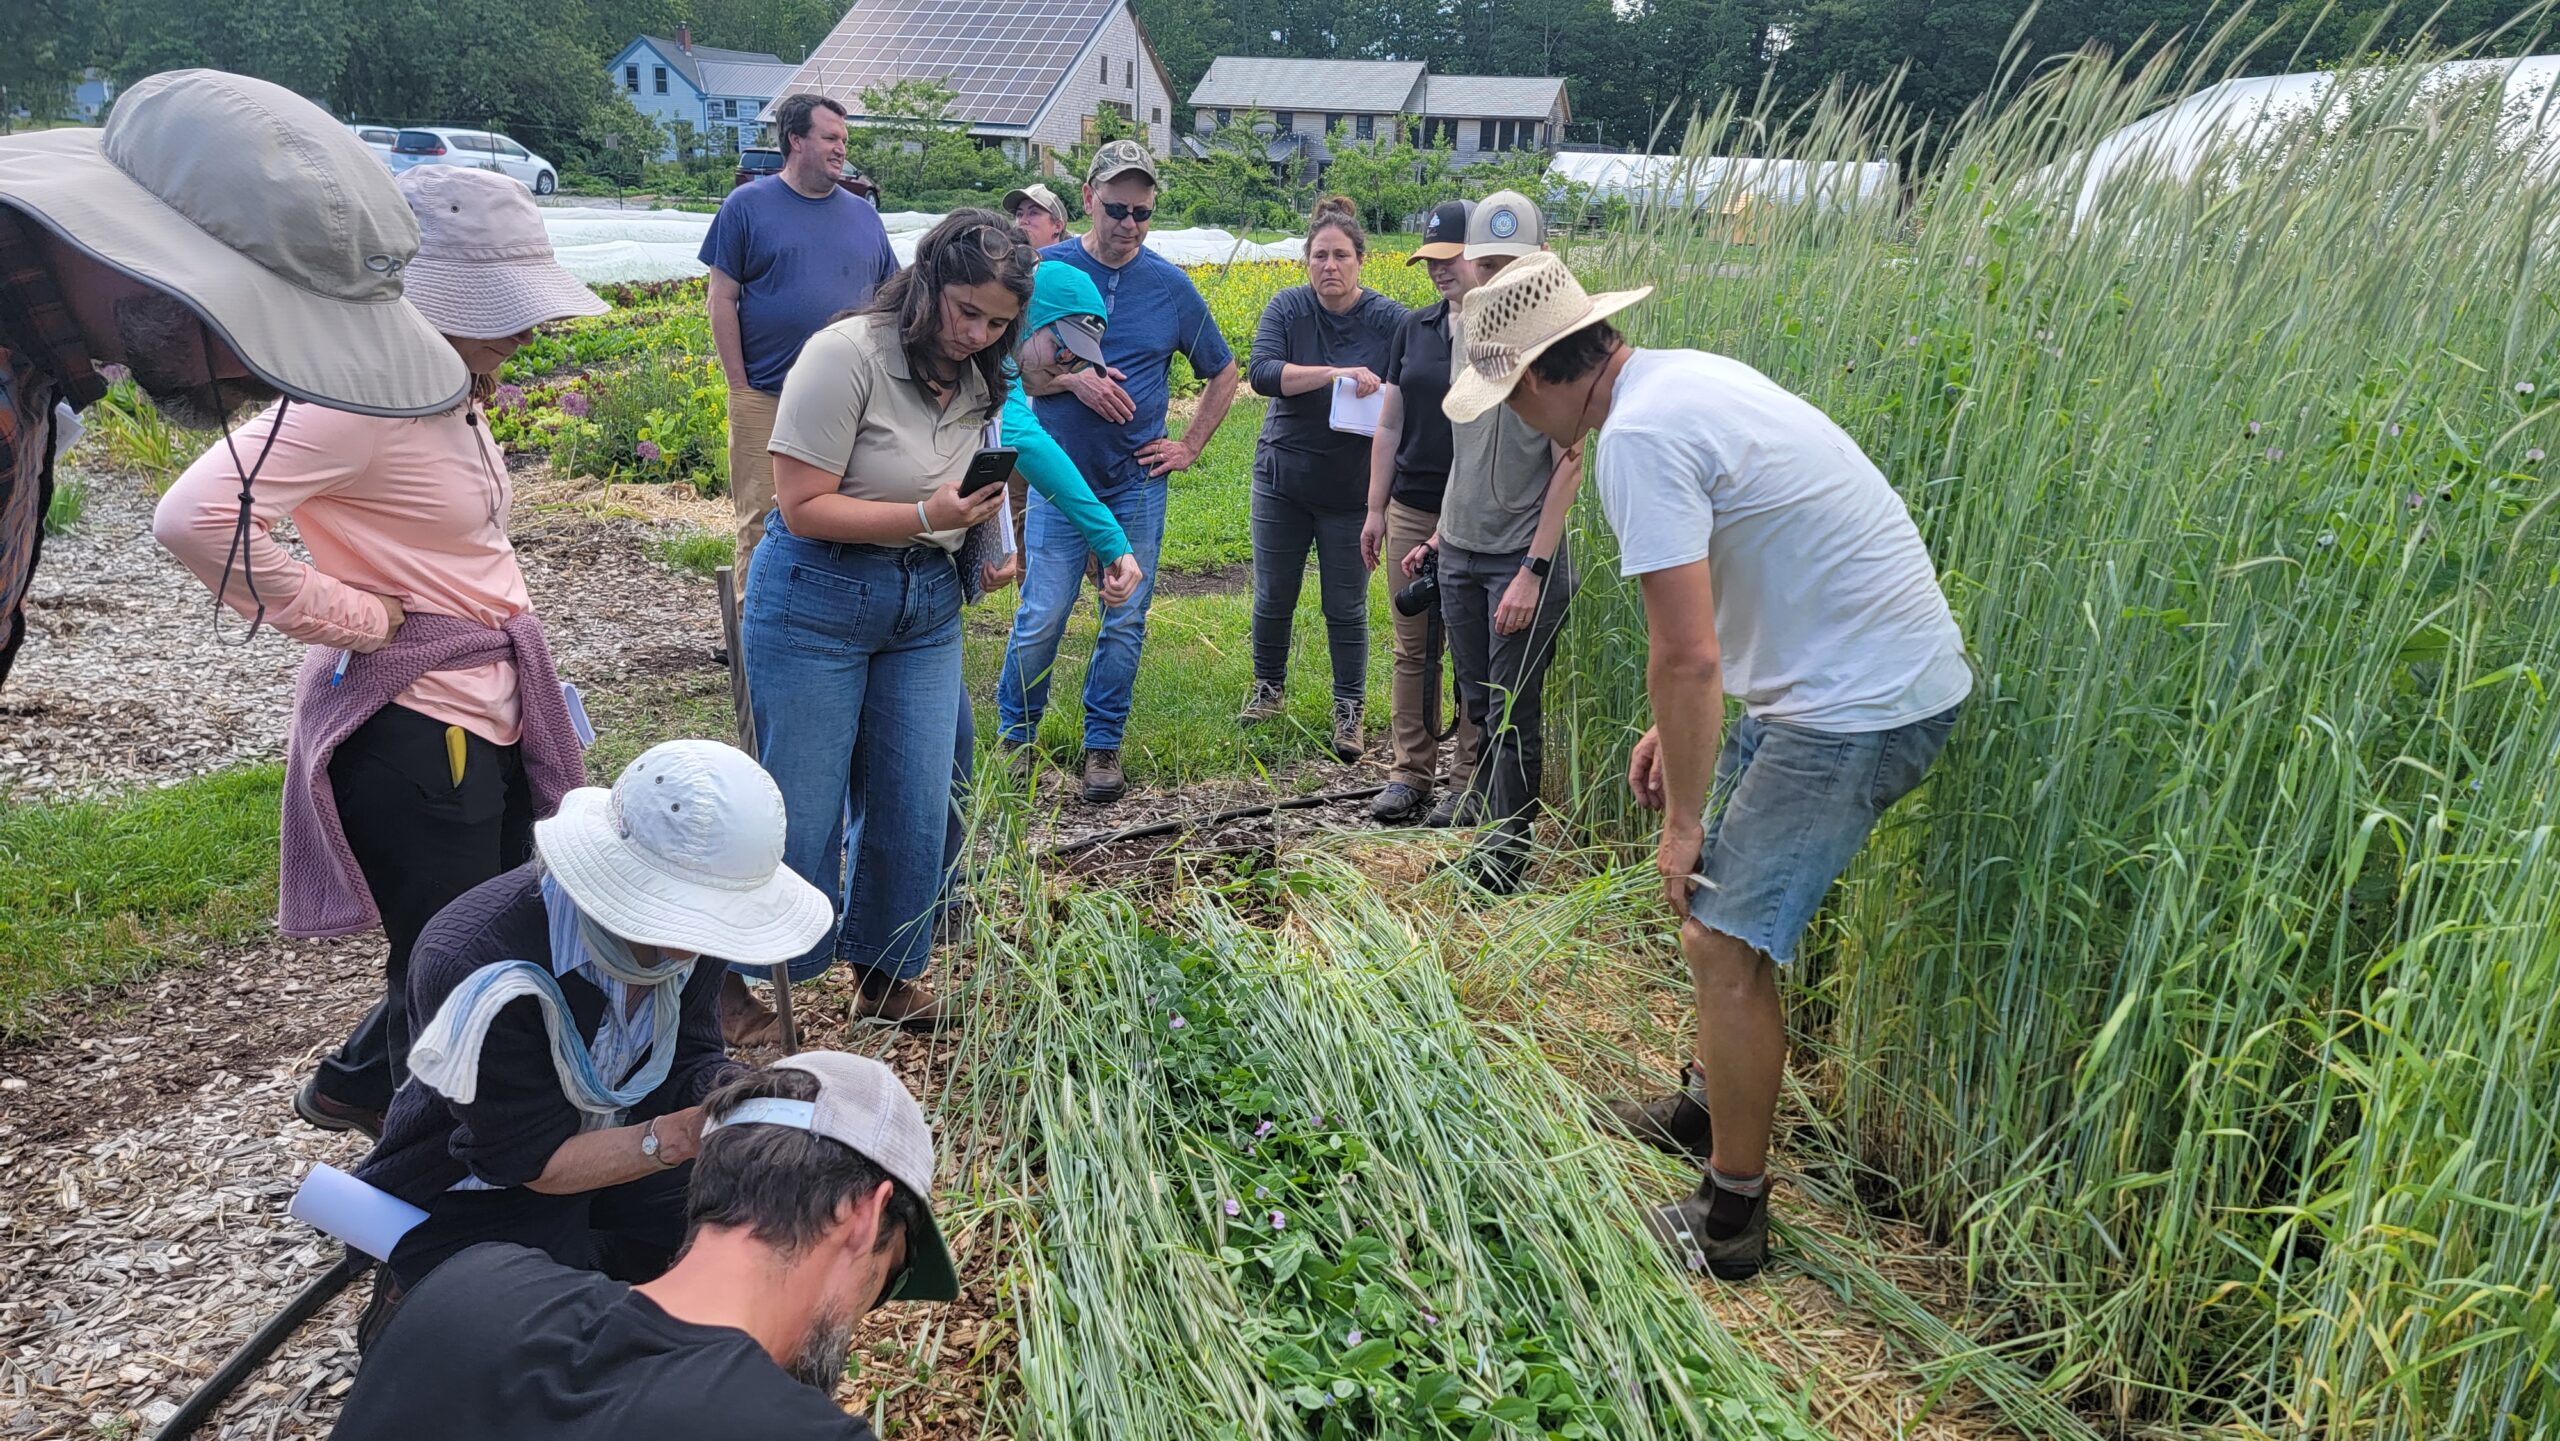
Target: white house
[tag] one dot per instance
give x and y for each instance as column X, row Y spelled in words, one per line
column 1476, row 115
column 1030, row 79
column 720, row 93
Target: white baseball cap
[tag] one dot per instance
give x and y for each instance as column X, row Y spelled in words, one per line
column 685, row 853
column 1505, row 223
column 863, row 1105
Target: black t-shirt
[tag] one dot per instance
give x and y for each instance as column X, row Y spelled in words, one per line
column 1418, row 367
column 503, row 1343
column 1302, row 457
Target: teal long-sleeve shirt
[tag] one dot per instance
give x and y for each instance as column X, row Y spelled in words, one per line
column 1044, row 463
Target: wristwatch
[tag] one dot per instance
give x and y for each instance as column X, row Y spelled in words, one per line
column 649, row 1143
column 1538, row 565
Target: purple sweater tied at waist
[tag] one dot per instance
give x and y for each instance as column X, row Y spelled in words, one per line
column 319, row 890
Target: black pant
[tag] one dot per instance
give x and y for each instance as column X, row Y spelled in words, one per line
column 1283, row 531
column 1502, row 679
column 629, row 1232
column 421, row 839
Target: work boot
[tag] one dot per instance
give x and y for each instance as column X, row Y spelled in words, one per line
column 904, row 1004
column 1397, row 805
column 1458, row 806
column 330, row 1114
column 1501, row 858
column 1103, row 782
column 1682, row 1226
column 1677, row 1123
column 1263, row 702
column 1350, row 734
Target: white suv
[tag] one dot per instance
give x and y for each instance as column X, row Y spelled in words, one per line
column 480, row 149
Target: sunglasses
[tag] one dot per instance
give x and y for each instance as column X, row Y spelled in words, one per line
column 1139, row 213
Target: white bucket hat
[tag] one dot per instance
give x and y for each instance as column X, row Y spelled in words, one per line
column 1513, row 318
column 484, row 268
column 277, row 227
column 685, row 853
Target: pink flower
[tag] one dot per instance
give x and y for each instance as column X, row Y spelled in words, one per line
column 1262, row 1130
column 575, row 402
column 114, row 374
column 2417, row 501
column 1178, row 1023
column 1351, row 1337
column 2534, row 455
column 2524, row 387
column 648, row 451
column 1279, row 1222
column 2253, row 429
column 2275, row 453
column 1234, row 1207
column 509, row 397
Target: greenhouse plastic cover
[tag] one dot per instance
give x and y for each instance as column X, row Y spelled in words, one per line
column 2228, row 117
column 1712, row 181
column 613, row 246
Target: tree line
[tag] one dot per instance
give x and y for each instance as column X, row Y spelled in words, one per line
column 538, row 70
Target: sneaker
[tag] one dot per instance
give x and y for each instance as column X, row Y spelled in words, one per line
column 904, row 1004
column 331, row 1114
column 1103, row 782
column 1350, row 736
column 1262, row 704
column 1677, row 1123
column 1458, row 806
column 1397, row 805
column 1682, row 1226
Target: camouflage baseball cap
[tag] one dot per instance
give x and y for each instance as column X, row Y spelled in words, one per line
column 1121, row 157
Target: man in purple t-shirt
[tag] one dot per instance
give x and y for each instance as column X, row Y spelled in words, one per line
column 788, row 253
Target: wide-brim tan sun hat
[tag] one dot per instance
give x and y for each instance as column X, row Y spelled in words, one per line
column 278, row 228
column 1513, row 319
column 685, row 853
column 485, row 268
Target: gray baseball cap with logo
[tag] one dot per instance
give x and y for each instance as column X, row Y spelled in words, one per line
column 1505, row 223
column 862, row 1104
column 1118, row 158
column 1040, row 195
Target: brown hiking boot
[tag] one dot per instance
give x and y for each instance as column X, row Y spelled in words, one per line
column 1350, row 736
column 1103, row 782
column 1263, row 702
column 744, row 1020
column 904, row 1004
column 1677, row 1123
column 1682, row 1226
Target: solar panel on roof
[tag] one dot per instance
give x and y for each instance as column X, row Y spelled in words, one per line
column 1001, row 57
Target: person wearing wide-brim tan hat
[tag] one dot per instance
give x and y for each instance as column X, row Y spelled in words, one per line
column 570, row 1018
column 225, row 241
column 429, row 728
column 1778, row 567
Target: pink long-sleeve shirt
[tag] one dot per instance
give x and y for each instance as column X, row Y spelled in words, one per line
column 414, row 509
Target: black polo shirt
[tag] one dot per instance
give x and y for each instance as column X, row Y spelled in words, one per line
column 1418, row 367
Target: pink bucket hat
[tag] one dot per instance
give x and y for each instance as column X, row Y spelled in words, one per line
column 484, row 267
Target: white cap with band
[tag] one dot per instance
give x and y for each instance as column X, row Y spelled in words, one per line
column 861, row 1104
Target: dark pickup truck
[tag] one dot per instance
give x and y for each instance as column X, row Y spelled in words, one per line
column 760, row 161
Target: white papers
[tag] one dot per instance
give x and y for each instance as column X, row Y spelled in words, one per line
column 1353, row 413
column 371, row 1221
column 1004, row 526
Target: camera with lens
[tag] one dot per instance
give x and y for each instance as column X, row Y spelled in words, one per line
column 1422, row 593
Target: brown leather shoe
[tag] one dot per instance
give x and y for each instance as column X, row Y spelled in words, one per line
column 331, row 1114
column 744, row 1020
column 904, row 1004
column 1103, row 782
column 1676, row 1123
column 1350, row 731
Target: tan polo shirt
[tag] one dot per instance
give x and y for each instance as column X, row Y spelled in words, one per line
column 852, row 407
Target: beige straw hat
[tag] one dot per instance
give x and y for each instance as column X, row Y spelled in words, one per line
column 484, row 267
column 277, row 227
column 1513, row 318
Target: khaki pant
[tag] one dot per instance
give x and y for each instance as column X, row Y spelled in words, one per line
column 1415, row 689
column 751, row 413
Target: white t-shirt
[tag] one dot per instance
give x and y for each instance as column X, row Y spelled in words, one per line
column 1828, row 611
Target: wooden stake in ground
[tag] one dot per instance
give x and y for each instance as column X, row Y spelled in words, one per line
column 739, row 702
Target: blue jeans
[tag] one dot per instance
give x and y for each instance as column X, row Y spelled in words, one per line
column 1790, row 809
column 853, row 667
column 1054, row 558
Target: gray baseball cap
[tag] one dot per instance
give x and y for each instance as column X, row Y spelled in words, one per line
column 1505, row 223
column 277, row 227
column 1121, row 157
column 1040, row 195
column 862, row 1104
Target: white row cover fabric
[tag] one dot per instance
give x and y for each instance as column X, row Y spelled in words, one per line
column 604, row 247
column 2223, row 122
column 1716, row 182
